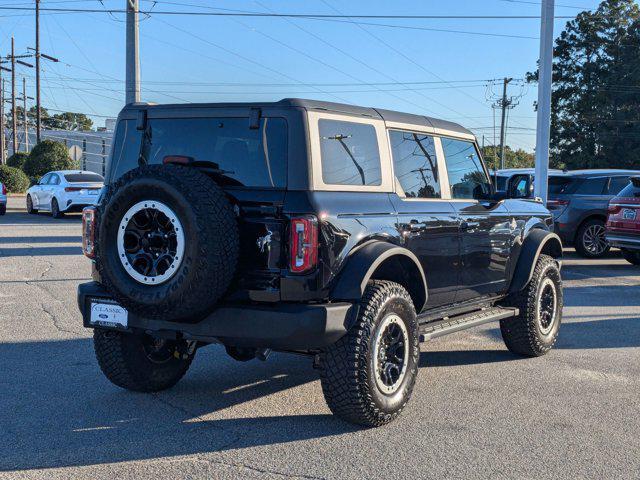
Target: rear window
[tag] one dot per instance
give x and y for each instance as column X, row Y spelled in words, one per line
column 83, row 177
column 561, row 185
column 501, row 183
column 242, row 156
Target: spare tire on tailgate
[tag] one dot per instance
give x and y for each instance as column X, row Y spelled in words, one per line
column 167, row 242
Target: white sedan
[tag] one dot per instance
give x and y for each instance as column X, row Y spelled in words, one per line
column 64, row 191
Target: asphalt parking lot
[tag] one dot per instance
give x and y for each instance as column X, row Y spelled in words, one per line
column 477, row 411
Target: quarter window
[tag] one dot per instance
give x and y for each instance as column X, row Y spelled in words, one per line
column 592, row 186
column 415, row 164
column 466, row 174
column 350, row 154
column 616, row 184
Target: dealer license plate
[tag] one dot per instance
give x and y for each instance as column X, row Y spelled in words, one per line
column 107, row 314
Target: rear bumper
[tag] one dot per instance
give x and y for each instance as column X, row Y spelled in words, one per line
column 283, row 326
column 623, row 241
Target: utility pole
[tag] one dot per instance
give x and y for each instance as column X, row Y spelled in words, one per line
column 13, row 97
column 38, row 116
column 543, row 126
column 2, row 155
column 504, row 104
column 24, row 113
column 133, row 54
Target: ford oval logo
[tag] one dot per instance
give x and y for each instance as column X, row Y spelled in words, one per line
column 104, row 316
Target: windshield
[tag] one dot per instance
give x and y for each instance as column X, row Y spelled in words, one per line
column 83, row 177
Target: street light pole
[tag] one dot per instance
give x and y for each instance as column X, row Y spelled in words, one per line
column 38, row 116
column 13, row 97
column 543, row 128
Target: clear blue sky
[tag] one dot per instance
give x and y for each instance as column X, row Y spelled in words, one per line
column 184, row 57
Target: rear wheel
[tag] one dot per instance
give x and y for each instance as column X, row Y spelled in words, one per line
column 631, row 256
column 535, row 330
column 368, row 375
column 30, row 209
column 55, row 209
column 140, row 362
column 590, row 240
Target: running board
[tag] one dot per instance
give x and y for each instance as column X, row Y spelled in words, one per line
column 461, row 322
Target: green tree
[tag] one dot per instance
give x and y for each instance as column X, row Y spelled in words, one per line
column 46, row 156
column 596, row 71
column 14, row 179
column 70, row 121
column 17, row 159
column 513, row 158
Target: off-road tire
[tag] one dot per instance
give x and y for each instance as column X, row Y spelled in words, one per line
column 55, row 209
column 631, row 256
column 524, row 333
column 211, row 242
column 579, row 245
column 347, row 369
column 30, row 209
column 122, row 359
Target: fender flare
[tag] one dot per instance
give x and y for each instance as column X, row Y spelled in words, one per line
column 538, row 241
column 361, row 266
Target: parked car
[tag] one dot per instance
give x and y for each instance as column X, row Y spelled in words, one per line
column 342, row 233
column 3, row 198
column 579, row 200
column 623, row 223
column 64, row 191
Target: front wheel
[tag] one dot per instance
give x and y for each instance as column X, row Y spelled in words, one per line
column 368, row 375
column 631, row 256
column 535, row 330
column 55, row 209
column 140, row 362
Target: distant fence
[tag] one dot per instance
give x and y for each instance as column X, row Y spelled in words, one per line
column 95, row 145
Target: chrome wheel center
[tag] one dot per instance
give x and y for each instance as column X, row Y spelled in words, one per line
column 391, row 354
column 150, row 242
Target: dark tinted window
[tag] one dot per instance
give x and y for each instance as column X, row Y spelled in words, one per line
column 560, row 185
column 501, row 183
column 592, row 186
column 415, row 164
column 349, row 153
column 466, row 175
column 630, row 191
column 243, row 156
column 83, row 177
column 616, row 184
column 125, row 150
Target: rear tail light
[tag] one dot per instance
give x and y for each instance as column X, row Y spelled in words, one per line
column 89, row 231
column 4, row 189
column 613, row 208
column 304, row 244
column 72, row 189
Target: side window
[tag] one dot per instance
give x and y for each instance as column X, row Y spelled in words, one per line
column 616, row 184
column 350, row 154
column 592, row 186
column 45, row 180
column 415, row 164
column 54, row 180
column 466, row 175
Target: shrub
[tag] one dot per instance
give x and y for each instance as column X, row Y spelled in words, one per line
column 47, row 156
column 14, row 179
column 17, row 159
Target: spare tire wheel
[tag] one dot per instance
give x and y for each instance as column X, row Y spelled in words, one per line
column 167, row 242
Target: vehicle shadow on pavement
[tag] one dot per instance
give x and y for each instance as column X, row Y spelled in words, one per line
column 46, row 239
column 57, row 410
column 603, row 295
column 39, row 251
column 451, row 358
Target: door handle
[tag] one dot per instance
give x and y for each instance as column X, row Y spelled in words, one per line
column 415, row 226
column 464, row 226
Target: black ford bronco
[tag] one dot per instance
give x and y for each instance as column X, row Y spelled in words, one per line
column 343, row 233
